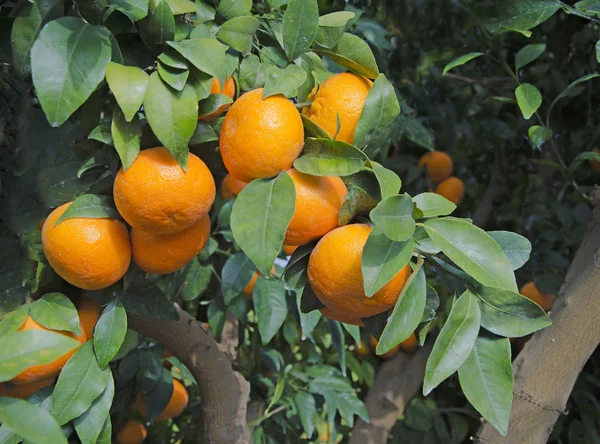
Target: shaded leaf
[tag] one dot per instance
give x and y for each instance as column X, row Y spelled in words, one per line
column 326, row 157
column 352, row 53
column 90, row 424
column 270, row 306
column 459, row 61
column 126, row 137
column 30, row 422
column 55, row 311
column 528, row 54
column 109, row 332
column 128, row 84
column 93, row 206
column 236, row 274
column 529, row 99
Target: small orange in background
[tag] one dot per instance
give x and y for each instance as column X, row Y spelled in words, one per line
column 231, row 187
column 175, row 407
column 25, row 390
column 318, row 202
column 132, row 432
column 452, row 189
column 595, row 164
column 410, row 344
column 335, row 274
column 42, row 372
column 387, row 355
column 439, row 165
column 362, row 348
column 89, row 313
column 340, row 95
column 340, row 317
column 166, row 253
column 91, row 254
column 157, row 196
column 288, row 250
column 228, row 90
column 260, row 137
column 531, row 292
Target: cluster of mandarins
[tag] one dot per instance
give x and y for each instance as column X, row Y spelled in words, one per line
column 439, row 170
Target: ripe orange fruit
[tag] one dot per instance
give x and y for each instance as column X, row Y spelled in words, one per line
column 340, row 95
column 231, row 187
column 340, row 317
column 410, row 344
column 452, row 189
column 387, row 355
column 156, row 195
column 228, row 90
column 176, row 406
column 362, row 348
column 89, row 313
column 318, row 202
column 23, row 391
column 88, row 253
column 288, row 250
column 260, row 138
column 531, row 292
column 166, row 253
column 335, row 274
column 439, row 165
column 595, row 164
column 42, row 372
column 132, row 432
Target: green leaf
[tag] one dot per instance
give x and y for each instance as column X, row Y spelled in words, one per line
column 238, row 33
column 382, row 259
column 407, row 313
column 520, row 16
column 326, row 157
column 212, row 103
column 208, row 55
column 173, row 59
column 126, row 137
column 55, row 311
column 473, row 250
column 459, row 61
column 12, row 321
column 195, row 278
column 338, row 339
column 30, row 422
column 307, row 410
column 92, row 206
column 60, row 183
column 295, row 275
column 432, row 204
column 80, row 382
column 172, row 115
column 507, row 313
column 109, row 332
column 181, row 6
column 284, row 81
column 415, row 131
column 260, row 217
column 270, row 306
column 529, row 99
column 27, row 348
column 234, row 8
column 331, row 28
column 393, row 216
column 528, row 54
column 538, row 135
column 300, row 24
column 90, row 424
column 134, row 9
column 203, row 133
column 516, row 247
column 454, row 343
column 236, row 274
column 569, row 90
column 157, row 399
column 128, row 84
column 352, row 53
column 598, row 51
column 158, row 26
column 379, row 113
column 389, row 182
column 68, row 62
column 311, row 129
column 173, row 77
column 487, row 381
column 145, row 299
column 590, row 7
column 102, row 133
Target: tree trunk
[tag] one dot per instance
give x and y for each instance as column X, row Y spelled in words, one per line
column 547, row 368
column 398, row 380
column 224, row 392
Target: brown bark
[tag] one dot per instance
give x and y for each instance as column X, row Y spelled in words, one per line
column 547, row 368
column 398, row 380
column 224, row 392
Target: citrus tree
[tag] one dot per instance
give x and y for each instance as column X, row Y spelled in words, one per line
column 135, row 293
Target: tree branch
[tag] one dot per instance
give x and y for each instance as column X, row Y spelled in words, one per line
column 224, row 392
column 398, row 380
column 547, row 368
column 496, row 188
